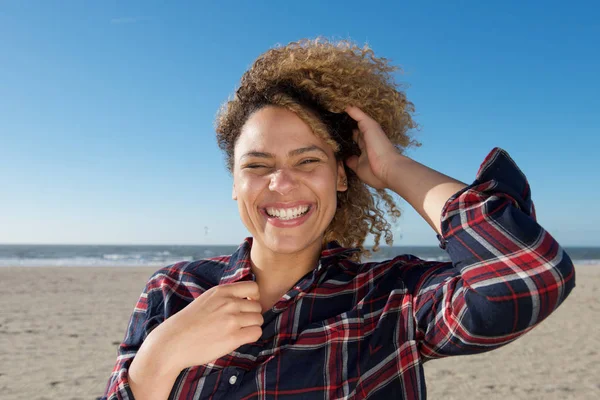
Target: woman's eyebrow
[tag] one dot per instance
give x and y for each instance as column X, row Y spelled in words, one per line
column 301, row 150
column 258, row 154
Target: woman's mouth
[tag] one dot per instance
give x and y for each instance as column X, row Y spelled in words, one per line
column 286, row 214
column 289, row 216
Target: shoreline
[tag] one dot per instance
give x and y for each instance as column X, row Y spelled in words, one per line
column 61, row 326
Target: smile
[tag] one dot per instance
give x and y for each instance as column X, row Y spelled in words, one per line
column 291, row 216
column 286, row 214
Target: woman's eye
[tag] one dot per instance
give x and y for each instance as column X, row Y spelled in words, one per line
column 309, row 161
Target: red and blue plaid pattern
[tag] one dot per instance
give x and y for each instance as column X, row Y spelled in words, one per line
column 348, row 330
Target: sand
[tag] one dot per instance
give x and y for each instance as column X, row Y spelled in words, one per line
column 60, row 328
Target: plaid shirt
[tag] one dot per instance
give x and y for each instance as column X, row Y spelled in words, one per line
column 355, row 331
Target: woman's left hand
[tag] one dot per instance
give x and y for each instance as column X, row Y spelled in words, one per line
column 377, row 151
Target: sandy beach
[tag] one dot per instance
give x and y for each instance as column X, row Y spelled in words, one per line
column 60, row 328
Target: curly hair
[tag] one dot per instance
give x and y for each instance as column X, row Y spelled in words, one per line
column 317, row 79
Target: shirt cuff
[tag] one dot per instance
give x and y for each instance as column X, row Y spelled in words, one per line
column 498, row 174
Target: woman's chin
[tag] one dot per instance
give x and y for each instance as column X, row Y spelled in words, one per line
column 286, row 244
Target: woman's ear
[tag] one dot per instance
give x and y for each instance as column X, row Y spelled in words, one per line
column 233, row 193
column 342, row 179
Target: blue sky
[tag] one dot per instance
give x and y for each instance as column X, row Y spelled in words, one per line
column 107, row 107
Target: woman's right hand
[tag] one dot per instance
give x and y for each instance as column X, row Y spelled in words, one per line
column 217, row 322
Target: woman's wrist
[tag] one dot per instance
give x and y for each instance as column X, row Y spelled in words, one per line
column 152, row 372
column 398, row 172
column 155, row 353
column 424, row 188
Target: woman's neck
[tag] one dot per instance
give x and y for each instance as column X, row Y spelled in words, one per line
column 276, row 273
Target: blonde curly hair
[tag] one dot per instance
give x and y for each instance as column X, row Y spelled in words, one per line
column 317, row 79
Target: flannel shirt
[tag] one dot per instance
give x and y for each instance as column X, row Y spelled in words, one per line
column 350, row 330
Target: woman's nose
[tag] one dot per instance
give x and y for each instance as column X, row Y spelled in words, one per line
column 282, row 182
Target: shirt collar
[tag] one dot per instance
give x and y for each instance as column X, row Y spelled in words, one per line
column 239, row 267
column 334, row 252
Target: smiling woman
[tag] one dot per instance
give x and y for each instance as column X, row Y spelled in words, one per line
column 314, row 139
column 316, row 81
column 300, row 171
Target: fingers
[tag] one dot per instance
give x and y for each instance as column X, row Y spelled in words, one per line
column 366, row 124
column 241, row 289
column 364, row 121
column 250, row 319
column 352, row 162
column 249, row 334
column 370, row 132
column 248, row 305
column 357, row 114
column 357, row 136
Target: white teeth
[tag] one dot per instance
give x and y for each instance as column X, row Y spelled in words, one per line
column 287, row 213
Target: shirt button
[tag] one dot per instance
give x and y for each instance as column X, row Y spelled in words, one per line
column 233, row 379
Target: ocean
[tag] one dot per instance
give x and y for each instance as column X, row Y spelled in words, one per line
column 158, row 256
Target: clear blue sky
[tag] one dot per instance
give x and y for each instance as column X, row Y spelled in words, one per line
column 107, row 107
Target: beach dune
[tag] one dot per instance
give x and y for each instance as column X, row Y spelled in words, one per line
column 60, row 328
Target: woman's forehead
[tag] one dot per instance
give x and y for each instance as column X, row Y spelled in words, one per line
column 277, row 130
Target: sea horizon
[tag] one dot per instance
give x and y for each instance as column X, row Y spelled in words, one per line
column 153, row 255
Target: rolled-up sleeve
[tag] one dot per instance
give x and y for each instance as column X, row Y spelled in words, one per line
column 507, row 273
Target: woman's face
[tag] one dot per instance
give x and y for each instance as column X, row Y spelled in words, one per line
column 285, row 181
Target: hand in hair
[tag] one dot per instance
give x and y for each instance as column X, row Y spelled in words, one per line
column 377, row 151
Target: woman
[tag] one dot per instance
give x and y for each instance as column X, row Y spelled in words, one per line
column 314, row 127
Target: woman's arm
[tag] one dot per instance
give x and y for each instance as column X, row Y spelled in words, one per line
column 137, row 345
column 178, row 324
column 151, row 375
column 507, row 273
column 425, row 189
